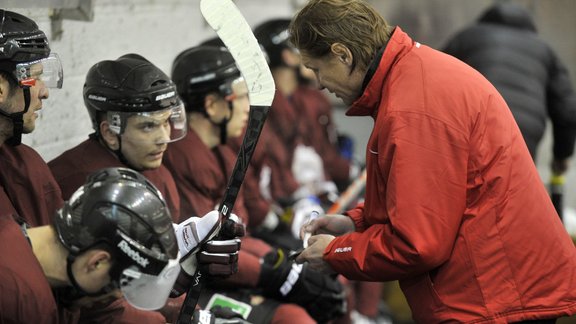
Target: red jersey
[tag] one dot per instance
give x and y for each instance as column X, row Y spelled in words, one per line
column 25, row 295
column 202, row 176
column 72, row 168
column 27, row 188
column 256, row 203
column 319, row 131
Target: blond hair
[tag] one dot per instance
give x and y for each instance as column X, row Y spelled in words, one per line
column 353, row 23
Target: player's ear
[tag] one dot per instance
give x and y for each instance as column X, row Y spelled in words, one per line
column 99, row 261
column 342, row 53
column 109, row 137
column 4, row 89
column 211, row 104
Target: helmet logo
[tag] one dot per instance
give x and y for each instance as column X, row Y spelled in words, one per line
column 97, row 98
column 134, row 255
column 166, row 95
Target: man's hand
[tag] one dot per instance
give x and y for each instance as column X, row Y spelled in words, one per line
column 323, row 230
column 329, row 224
column 315, row 252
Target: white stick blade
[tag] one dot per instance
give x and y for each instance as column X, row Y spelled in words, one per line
column 231, row 26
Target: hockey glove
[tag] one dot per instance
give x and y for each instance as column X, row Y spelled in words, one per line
column 321, row 295
column 201, row 247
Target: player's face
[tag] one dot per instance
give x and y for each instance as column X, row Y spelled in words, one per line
column 145, row 139
column 335, row 75
column 240, row 107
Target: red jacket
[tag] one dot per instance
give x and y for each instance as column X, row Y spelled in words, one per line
column 455, row 208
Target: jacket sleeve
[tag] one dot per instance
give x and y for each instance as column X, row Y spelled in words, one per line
column 356, row 215
column 561, row 103
column 415, row 200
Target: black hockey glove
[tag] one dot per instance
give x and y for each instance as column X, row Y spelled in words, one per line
column 321, row 295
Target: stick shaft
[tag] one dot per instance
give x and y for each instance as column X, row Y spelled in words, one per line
column 351, row 193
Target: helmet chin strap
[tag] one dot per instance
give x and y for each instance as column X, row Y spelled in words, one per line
column 121, row 156
column 223, row 125
column 18, row 120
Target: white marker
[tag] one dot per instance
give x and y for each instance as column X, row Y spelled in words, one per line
column 313, row 215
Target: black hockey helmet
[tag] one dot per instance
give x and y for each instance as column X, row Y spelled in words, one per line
column 120, row 211
column 214, row 41
column 203, row 69
column 131, row 85
column 20, row 40
column 25, row 58
column 273, row 36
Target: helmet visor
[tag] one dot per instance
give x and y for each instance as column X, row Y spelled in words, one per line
column 47, row 70
column 147, row 291
column 157, row 127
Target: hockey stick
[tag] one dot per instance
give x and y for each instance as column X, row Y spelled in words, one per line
column 227, row 21
column 351, row 193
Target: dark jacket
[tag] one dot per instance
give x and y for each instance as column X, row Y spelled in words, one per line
column 505, row 48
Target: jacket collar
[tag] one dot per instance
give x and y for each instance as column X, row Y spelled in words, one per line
column 367, row 104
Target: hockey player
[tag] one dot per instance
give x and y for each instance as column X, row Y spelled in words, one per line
column 27, row 69
column 216, row 100
column 317, row 133
column 114, row 235
column 135, row 113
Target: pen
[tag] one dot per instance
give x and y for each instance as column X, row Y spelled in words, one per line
column 313, row 215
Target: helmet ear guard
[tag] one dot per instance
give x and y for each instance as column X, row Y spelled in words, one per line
column 115, row 122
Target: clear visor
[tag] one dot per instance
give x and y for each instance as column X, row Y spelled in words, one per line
column 146, row 291
column 47, row 70
column 158, row 127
